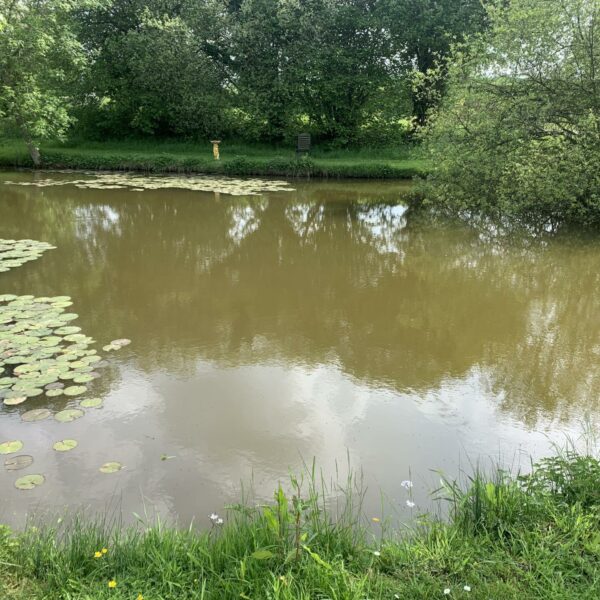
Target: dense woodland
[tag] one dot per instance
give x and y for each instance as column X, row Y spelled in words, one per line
column 505, row 93
column 257, row 70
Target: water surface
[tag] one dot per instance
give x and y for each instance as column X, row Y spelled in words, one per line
column 269, row 330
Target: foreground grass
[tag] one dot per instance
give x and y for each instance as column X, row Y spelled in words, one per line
column 533, row 537
column 236, row 159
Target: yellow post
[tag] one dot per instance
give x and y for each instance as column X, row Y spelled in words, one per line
column 215, row 144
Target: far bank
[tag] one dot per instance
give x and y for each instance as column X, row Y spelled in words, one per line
column 236, row 159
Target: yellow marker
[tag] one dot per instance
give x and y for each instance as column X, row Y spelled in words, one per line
column 215, row 144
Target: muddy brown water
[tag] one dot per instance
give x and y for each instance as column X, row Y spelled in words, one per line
column 271, row 330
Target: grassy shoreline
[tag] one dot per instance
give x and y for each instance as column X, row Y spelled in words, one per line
column 236, row 159
column 507, row 537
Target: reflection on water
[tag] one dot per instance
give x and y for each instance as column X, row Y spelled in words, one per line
column 276, row 328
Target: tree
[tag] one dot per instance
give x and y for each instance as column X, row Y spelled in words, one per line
column 155, row 69
column 423, row 33
column 39, row 57
column 519, row 133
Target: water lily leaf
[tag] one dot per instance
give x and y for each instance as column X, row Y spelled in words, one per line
column 14, row 400
column 68, row 415
column 37, row 414
column 120, row 343
column 28, row 482
column 65, row 445
column 111, row 467
column 83, row 378
column 11, row 447
column 75, row 390
column 57, row 385
column 15, row 463
column 54, row 393
column 91, row 403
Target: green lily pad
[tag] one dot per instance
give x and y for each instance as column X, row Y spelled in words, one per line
column 28, row 482
column 37, row 414
column 14, row 400
column 68, row 415
column 15, row 463
column 54, row 393
column 11, row 447
column 91, row 403
column 111, row 467
column 75, row 390
column 65, row 445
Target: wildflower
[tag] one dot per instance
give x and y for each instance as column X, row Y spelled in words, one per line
column 447, row 592
column 376, row 519
column 213, row 516
column 97, row 554
column 104, row 550
column 377, row 553
column 219, row 521
column 139, row 597
column 406, row 484
column 467, row 588
column 112, row 584
column 410, row 504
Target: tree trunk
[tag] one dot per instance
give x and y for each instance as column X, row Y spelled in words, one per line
column 34, row 152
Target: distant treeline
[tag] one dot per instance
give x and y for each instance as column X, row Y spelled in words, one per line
column 343, row 70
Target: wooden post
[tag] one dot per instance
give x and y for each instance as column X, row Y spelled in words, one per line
column 215, row 144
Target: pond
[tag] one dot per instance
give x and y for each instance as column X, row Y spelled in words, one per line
column 309, row 320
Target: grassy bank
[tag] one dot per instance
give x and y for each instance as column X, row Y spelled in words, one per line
column 236, row 159
column 533, row 537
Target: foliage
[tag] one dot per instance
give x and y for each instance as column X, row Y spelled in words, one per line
column 236, row 159
column 39, row 56
column 518, row 134
column 506, row 538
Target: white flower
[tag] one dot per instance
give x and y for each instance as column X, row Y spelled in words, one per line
column 397, row 596
column 213, row 516
column 447, row 592
column 377, row 553
column 467, row 588
column 410, row 504
column 219, row 521
column 406, row 484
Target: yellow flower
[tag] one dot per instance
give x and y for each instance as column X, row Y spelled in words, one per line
column 97, row 554
column 112, row 583
column 375, row 520
column 140, row 597
column 104, row 550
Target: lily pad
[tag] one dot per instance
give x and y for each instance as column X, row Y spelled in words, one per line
column 11, row 447
column 68, row 415
column 75, row 390
column 14, row 400
column 54, row 393
column 28, row 482
column 91, row 403
column 15, row 463
column 65, row 445
column 37, row 414
column 111, row 467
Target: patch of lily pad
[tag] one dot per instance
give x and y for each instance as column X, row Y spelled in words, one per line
column 16, row 463
column 15, row 253
column 91, row 403
column 68, row 415
column 11, row 446
column 29, row 482
column 39, row 350
column 116, row 345
column 65, row 445
column 111, row 467
column 139, row 183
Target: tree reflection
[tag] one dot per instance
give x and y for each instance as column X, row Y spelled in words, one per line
column 325, row 274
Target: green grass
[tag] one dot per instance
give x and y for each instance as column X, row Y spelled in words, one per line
column 506, row 538
column 236, row 159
